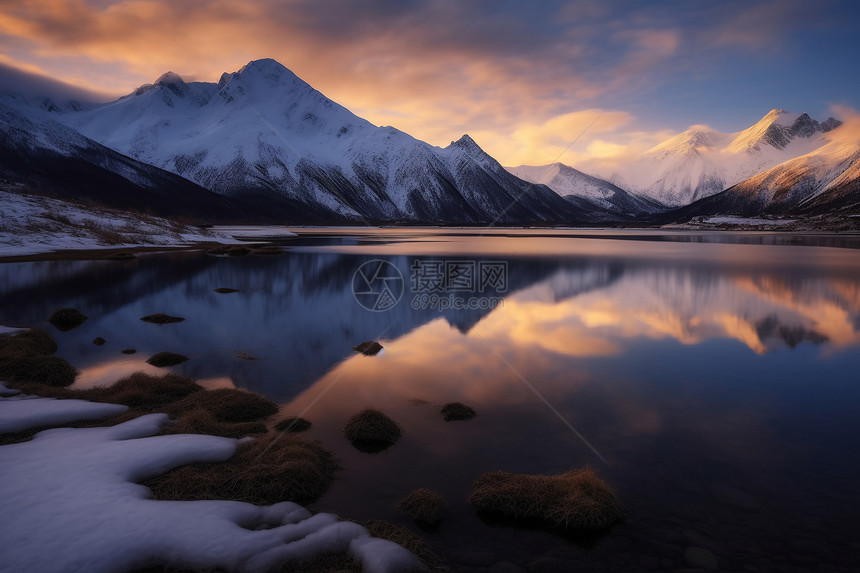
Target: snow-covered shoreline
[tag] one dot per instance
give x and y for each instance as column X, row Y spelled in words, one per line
column 71, row 501
column 34, row 225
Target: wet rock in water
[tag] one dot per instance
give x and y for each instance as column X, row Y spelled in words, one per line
column 161, row 318
column 294, row 424
column 163, row 359
column 99, row 341
column 371, row 431
column 701, row 557
column 368, row 348
column 128, row 351
column 245, row 356
column 226, row 290
column 67, row 318
column 457, row 411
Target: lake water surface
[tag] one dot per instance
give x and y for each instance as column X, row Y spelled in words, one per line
column 711, row 379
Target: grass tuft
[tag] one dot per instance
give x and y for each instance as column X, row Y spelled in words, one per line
column 128, row 351
column 143, row 392
column 267, row 470
column 457, row 411
column 28, row 342
column 226, row 290
column 293, row 424
column 227, row 405
column 163, row 359
column 407, row 539
column 67, row 318
column 575, row 500
column 427, row 507
column 202, row 421
column 99, row 341
column 371, row 431
column 17, row 370
column 161, row 318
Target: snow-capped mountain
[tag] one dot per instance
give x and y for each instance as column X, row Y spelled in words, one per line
column 38, row 154
column 264, row 134
column 825, row 180
column 574, row 185
column 702, row 161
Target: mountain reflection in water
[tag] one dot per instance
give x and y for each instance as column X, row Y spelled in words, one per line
column 714, row 377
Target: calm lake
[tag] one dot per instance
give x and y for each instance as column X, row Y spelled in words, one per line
column 711, row 379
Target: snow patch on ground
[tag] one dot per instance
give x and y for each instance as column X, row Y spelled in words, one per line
column 30, row 224
column 253, row 231
column 70, row 502
column 728, row 220
column 21, row 412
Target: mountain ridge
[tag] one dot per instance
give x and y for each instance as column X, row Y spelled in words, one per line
column 262, row 132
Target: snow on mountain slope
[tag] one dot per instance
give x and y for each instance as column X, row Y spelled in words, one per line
column 824, row 180
column 572, row 183
column 263, row 132
column 701, row 161
column 39, row 154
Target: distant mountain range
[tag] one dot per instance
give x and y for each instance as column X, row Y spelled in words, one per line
column 262, row 145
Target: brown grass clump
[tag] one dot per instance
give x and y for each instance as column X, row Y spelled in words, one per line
column 457, row 411
column 227, row 405
column 163, row 359
column 406, row 539
column 270, row 469
column 371, row 431
column 368, row 348
column 575, row 500
column 293, row 424
column 427, row 507
column 128, row 351
column 67, row 318
column 17, row 370
column 99, row 341
column 161, row 318
column 201, row 421
column 28, row 342
column 225, row 290
column 143, row 392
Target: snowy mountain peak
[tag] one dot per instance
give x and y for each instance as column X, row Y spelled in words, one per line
column 777, row 129
column 170, row 78
column 466, row 143
column 272, row 71
column 830, row 124
column 689, row 142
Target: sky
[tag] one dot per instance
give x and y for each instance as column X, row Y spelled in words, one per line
column 590, row 83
